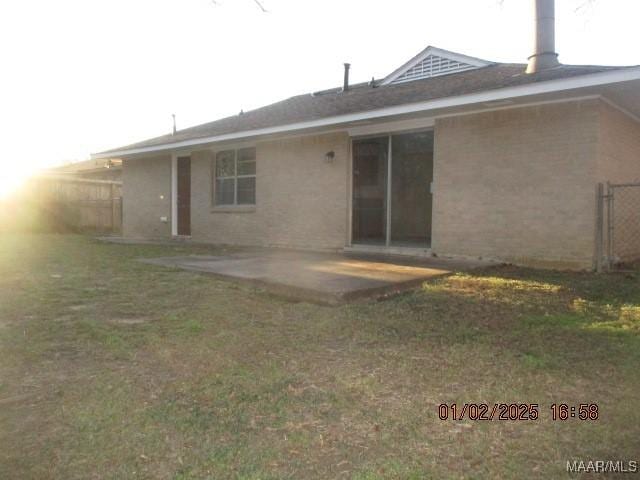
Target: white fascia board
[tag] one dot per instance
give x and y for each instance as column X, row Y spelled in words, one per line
column 551, row 86
column 424, row 123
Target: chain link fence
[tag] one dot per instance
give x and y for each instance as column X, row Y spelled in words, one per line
column 618, row 225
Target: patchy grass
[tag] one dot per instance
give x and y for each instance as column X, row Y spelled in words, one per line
column 110, row 368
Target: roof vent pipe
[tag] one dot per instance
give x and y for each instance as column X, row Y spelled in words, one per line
column 345, row 86
column 544, row 54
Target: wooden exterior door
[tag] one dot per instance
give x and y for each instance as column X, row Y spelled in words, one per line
column 184, row 196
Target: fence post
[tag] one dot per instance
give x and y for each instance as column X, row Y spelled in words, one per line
column 610, row 226
column 599, row 227
column 120, row 216
column 113, row 207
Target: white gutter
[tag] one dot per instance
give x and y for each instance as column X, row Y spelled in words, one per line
column 551, row 86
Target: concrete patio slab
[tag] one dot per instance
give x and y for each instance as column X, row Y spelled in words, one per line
column 321, row 277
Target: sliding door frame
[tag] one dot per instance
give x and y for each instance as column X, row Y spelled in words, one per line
column 387, row 240
column 388, row 206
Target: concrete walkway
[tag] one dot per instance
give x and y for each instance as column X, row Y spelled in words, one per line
column 321, row 277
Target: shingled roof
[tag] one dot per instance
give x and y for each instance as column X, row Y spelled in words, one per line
column 367, row 97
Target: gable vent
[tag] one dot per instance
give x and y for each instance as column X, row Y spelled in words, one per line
column 433, row 66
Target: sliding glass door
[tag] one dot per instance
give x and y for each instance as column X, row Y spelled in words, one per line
column 370, row 165
column 411, row 177
column 392, row 199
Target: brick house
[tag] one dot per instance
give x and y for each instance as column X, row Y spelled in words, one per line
column 447, row 155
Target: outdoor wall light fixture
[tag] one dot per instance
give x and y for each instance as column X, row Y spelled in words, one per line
column 329, row 157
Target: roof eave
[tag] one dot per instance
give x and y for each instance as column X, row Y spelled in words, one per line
column 543, row 87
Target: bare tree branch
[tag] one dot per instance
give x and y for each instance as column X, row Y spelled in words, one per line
column 260, row 5
column 584, row 5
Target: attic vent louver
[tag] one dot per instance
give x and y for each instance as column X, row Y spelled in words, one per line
column 434, row 62
column 433, row 66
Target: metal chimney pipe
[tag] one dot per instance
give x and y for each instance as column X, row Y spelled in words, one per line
column 544, row 54
column 345, row 86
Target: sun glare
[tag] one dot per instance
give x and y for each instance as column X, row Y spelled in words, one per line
column 12, row 180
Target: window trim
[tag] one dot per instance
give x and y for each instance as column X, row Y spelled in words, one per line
column 214, row 180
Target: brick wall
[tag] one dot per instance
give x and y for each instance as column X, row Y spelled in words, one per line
column 301, row 201
column 619, row 148
column 518, row 184
column 146, row 196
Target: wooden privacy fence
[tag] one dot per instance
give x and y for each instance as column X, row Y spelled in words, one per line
column 67, row 203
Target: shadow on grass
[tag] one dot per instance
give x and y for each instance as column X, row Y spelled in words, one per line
column 547, row 320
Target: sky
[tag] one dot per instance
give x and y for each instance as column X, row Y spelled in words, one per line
column 81, row 76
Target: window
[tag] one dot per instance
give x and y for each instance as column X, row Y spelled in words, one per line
column 235, row 177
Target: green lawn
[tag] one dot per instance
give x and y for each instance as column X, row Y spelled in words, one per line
column 111, row 368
